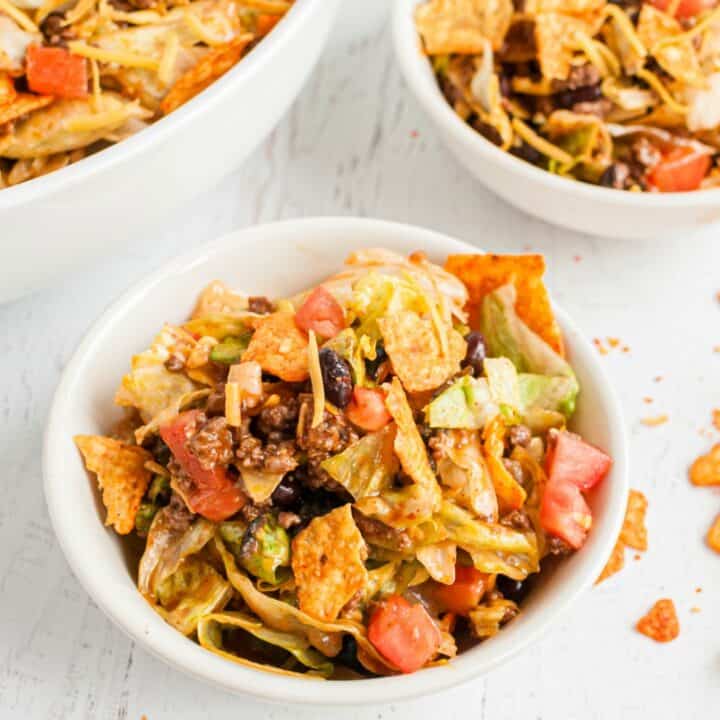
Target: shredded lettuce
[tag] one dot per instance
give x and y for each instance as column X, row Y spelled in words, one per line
column 467, row 404
column 502, row 380
column 543, row 392
column 368, row 466
column 486, row 619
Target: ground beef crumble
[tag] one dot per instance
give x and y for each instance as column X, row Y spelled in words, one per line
column 212, row 443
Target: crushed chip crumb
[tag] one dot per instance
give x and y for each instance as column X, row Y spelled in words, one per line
column 706, row 468
column 632, row 534
column 658, row 378
column 647, row 400
column 655, row 420
column 694, row 609
column 716, row 418
column 713, row 535
column 661, row 622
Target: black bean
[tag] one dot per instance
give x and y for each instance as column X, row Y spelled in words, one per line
column 372, row 366
column 514, row 590
column 616, row 176
column 527, row 152
column 476, row 352
column 568, row 98
column 348, row 655
column 336, row 378
column 287, row 493
column 519, row 435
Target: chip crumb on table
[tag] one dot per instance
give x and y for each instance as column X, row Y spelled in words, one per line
column 660, row 623
column 654, row 420
column 705, row 470
column 713, row 535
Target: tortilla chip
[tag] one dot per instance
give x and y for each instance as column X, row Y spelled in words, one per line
column 634, row 532
column 121, row 475
column 511, row 495
column 217, row 297
column 462, row 26
column 555, row 39
column 412, row 345
column 484, row 273
column 328, row 562
column 22, row 104
column 661, row 623
column 706, row 469
column 7, row 89
column 208, row 69
column 615, row 563
column 713, row 535
column 280, row 347
column 581, row 8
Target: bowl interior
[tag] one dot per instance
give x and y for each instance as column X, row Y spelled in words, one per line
column 277, row 260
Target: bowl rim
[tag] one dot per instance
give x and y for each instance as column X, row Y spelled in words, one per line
column 413, row 64
column 264, row 685
column 205, row 101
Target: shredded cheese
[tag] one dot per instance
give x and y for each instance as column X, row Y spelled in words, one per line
column 318, row 389
column 46, row 8
column 233, row 404
column 682, row 37
column 541, row 144
column 652, row 80
column 586, row 44
column 273, row 7
column 83, row 8
column 112, row 56
column 202, row 32
column 18, row 16
column 97, row 90
column 527, row 86
column 169, row 58
column 610, row 58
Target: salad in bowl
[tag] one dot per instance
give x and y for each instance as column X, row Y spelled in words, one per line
column 363, row 479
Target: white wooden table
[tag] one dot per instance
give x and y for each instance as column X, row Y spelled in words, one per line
column 356, row 143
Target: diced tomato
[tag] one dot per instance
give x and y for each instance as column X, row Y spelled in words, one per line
column 403, row 633
column 686, row 8
column 564, row 513
column 572, row 460
column 55, row 71
column 464, row 594
column 321, row 313
column 265, row 23
column 681, row 169
column 367, row 409
column 213, row 495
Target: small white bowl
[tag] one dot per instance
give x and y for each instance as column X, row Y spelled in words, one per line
column 576, row 205
column 70, row 217
column 279, row 260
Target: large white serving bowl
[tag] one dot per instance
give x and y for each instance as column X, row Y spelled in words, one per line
column 279, row 260
column 579, row 206
column 67, row 218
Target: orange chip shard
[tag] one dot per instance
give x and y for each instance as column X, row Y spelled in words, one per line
column 413, row 347
column 481, row 274
column 22, row 104
column 121, row 475
column 280, row 347
column 615, row 563
column 208, row 69
column 7, row 89
column 661, row 623
column 713, row 535
column 706, row 469
column 328, row 562
column 634, row 532
column 217, row 297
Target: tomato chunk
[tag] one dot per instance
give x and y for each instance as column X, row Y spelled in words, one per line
column 55, row 71
column 681, row 169
column 321, row 313
column 213, row 494
column 464, row 594
column 367, row 409
column 686, row 8
column 565, row 514
column 572, row 460
column 403, row 633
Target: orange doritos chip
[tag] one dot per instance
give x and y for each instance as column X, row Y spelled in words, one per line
column 661, row 623
column 22, row 104
column 280, row 347
column 482, row 274
column 615, row 563
column 7, row 89
column 706, row 469
column 634, row 532
column 121, row 475
column 716, row 418
column 412, row 345
column 510, row 493
column 328, row 562
column 713, row 535
column 462, row 26
column 208, row 69
column 217, row 297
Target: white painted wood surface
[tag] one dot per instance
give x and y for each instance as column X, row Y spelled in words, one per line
column 355, row 143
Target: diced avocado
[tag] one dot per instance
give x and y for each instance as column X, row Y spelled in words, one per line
column 230, row 350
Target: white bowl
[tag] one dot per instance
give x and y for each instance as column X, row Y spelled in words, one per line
column 576, row 205
column 281, row 259
column 69, row 217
